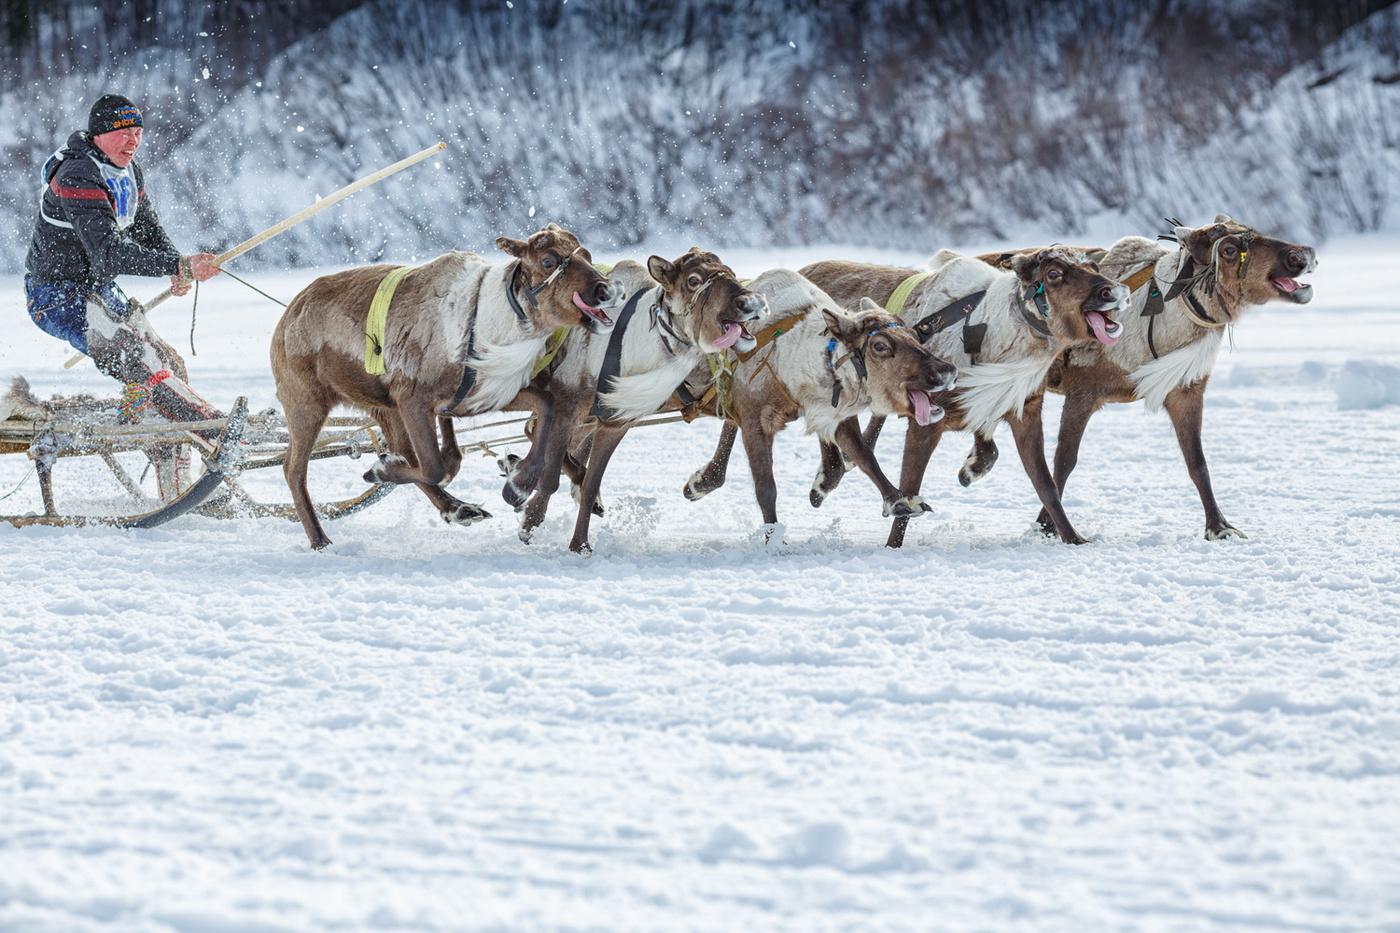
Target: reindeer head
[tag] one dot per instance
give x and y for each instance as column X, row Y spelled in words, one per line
column 900, row 375
column 1070, row 295
column 559, row 281
column 1245, row 266
column 707, row 302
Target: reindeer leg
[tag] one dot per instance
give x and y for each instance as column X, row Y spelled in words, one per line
column 1030, row 444
column 304, row 422
column 555, row 452
column 1079, row 407
column 852, row 444
column 919, row 443
column 414, row 423
column 1184, row 404
column 576, row 467
column 711, row 476
column 758, row 445
column 524, row 474
column 605, row 441
column 450, row 451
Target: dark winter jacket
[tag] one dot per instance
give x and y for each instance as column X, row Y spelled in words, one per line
column 95, row 222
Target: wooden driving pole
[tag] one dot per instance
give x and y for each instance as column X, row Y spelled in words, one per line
column 295, row 219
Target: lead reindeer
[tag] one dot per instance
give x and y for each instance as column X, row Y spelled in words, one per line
column 679, row 313
column 1183, row 298
column 1013, row 326
column 826, row 365
column 461, row 338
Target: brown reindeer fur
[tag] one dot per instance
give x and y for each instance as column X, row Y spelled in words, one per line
column 438, row 309
column 1090, row 377
column 1072, row 288
column 701, row 300
column 795, row 377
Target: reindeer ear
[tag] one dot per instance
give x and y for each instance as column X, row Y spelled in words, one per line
column 1224, row 219
column 516, row 248
column 663, row 270
column 842, row 326
column 867, row 304
column 1026, row 266
column 1197, row 243
column 553, row 227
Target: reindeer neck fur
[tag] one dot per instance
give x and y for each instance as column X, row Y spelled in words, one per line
column 798, row 357
column 1014, row 358
column 652, row 362
column 504, row 349
column 1186, row 351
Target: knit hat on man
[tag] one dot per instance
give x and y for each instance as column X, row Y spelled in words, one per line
column 112, row 112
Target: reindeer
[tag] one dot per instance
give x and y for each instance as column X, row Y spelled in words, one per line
column 1014, row 324
column 828, row 366
column 461, row 338
column 678, row 314
column 1167, row 349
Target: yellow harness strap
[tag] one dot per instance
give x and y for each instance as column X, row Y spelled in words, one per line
column 378, row 317
column 605, row 268
column 901, row 294
column 551, row 349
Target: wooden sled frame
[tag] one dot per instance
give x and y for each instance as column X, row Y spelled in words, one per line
column 244, row 442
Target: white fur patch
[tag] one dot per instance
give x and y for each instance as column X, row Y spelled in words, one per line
column 1191, row 363
column 990, row 391
column 502, row 370
column 642, row 394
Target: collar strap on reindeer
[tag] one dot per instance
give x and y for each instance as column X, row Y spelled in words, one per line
column 1036, row 294
column 378, row 319
column 552, row 346
column 948, row 315
column 1184, row 285
column 532, row 290
column 667, row 320
column 612, row 359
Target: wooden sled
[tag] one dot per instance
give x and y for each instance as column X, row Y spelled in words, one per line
column 243, row 443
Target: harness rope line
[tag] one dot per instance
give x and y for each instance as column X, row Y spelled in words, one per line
column 378, row 318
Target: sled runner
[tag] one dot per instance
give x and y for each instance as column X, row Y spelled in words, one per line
column 228, row 447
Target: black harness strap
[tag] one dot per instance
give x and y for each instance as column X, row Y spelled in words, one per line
column 1154, row 306
column 612, row 359
column 1036, row 293
column 949, row 315
column 973, row 335
column 468, row 371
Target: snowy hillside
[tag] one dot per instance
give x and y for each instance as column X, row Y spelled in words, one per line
column 207, row 728
column 896, row 124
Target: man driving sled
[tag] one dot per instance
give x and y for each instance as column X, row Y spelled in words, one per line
column 95, row 223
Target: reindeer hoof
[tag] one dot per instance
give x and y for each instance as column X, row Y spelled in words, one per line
column 466, row 513
column 974, row 469
column 697, row 488
column 907, row 506
column 1228, row 531
column 507, row 464
column 379, row 473
column 515, row 496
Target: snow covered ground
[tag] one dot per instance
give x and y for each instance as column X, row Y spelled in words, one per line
column 207, row 728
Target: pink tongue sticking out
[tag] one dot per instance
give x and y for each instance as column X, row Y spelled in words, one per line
column 923, row 409
column 731, row 335
column 586, row 308
column 1287, row 285
column 1099, row 325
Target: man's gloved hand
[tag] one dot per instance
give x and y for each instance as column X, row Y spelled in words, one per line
column 197, row 267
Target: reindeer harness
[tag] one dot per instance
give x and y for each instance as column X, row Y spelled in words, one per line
column 958, row 310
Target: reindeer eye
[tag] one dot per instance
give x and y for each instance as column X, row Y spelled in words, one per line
column 1054, row 275
column 547, row 263
column 1229, row 251
column 693, row 281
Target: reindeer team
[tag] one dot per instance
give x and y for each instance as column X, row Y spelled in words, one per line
column 964, row 344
